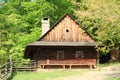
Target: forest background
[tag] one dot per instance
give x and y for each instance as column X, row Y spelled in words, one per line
column 20, row 22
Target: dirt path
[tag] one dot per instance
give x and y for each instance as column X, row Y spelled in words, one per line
column 93, row 75
column 96, row 75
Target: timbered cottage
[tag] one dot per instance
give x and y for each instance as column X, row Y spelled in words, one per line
column 65, row 45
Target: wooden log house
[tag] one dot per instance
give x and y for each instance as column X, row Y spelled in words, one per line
column 66, row 44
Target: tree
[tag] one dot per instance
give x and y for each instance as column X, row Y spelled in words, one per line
column 20, row 22
column 102, row 21
column 20, row 25
column 60, row 8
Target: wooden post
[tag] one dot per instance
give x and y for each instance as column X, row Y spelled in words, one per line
column 70, row 67
column 6, row 69
column 63, row 66
column 97, row 61
column 90, row 66
column 43, row 66
column 11, row 65
column 0, row 74
column 48, row 61
column 37, row 58
column 11, row 68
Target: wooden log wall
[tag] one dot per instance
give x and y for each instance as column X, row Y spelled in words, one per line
column 69, row 52
column 67, row 30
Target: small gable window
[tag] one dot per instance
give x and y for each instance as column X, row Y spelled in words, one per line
column 67, row 30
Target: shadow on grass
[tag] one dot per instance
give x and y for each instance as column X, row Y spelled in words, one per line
column 12, row 75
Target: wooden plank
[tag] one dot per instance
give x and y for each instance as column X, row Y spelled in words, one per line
column 53, row 34
column 5, row 71
column 58, row 33
column 61, row 34
column 63, row 30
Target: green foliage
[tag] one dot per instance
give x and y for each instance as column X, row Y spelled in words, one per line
column 2, row 56
column 35, row 10
column 61, row 7
column 20, row 23
column 102, row 21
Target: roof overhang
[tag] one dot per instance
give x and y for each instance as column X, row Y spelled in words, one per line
column 43, row 43
column 55, row 44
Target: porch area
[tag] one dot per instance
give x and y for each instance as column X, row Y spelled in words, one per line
column 91, row 63
column 65, row 57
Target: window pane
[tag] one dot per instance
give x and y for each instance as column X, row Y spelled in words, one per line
column 60, row 54
column 79, row 54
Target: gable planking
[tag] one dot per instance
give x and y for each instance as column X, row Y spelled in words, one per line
column 66, row 30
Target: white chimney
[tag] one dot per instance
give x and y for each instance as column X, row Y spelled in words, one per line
column 45, row 25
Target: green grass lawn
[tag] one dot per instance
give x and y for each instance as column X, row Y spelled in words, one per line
column 53, row 74
column 44, row 75
column 113, row 79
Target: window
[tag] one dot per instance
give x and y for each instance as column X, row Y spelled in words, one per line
column 79, row 54
column 60, row 54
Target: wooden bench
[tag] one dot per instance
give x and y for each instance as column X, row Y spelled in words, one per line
column 65, row 63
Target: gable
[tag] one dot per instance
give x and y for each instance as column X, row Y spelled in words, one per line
column 66, row 30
